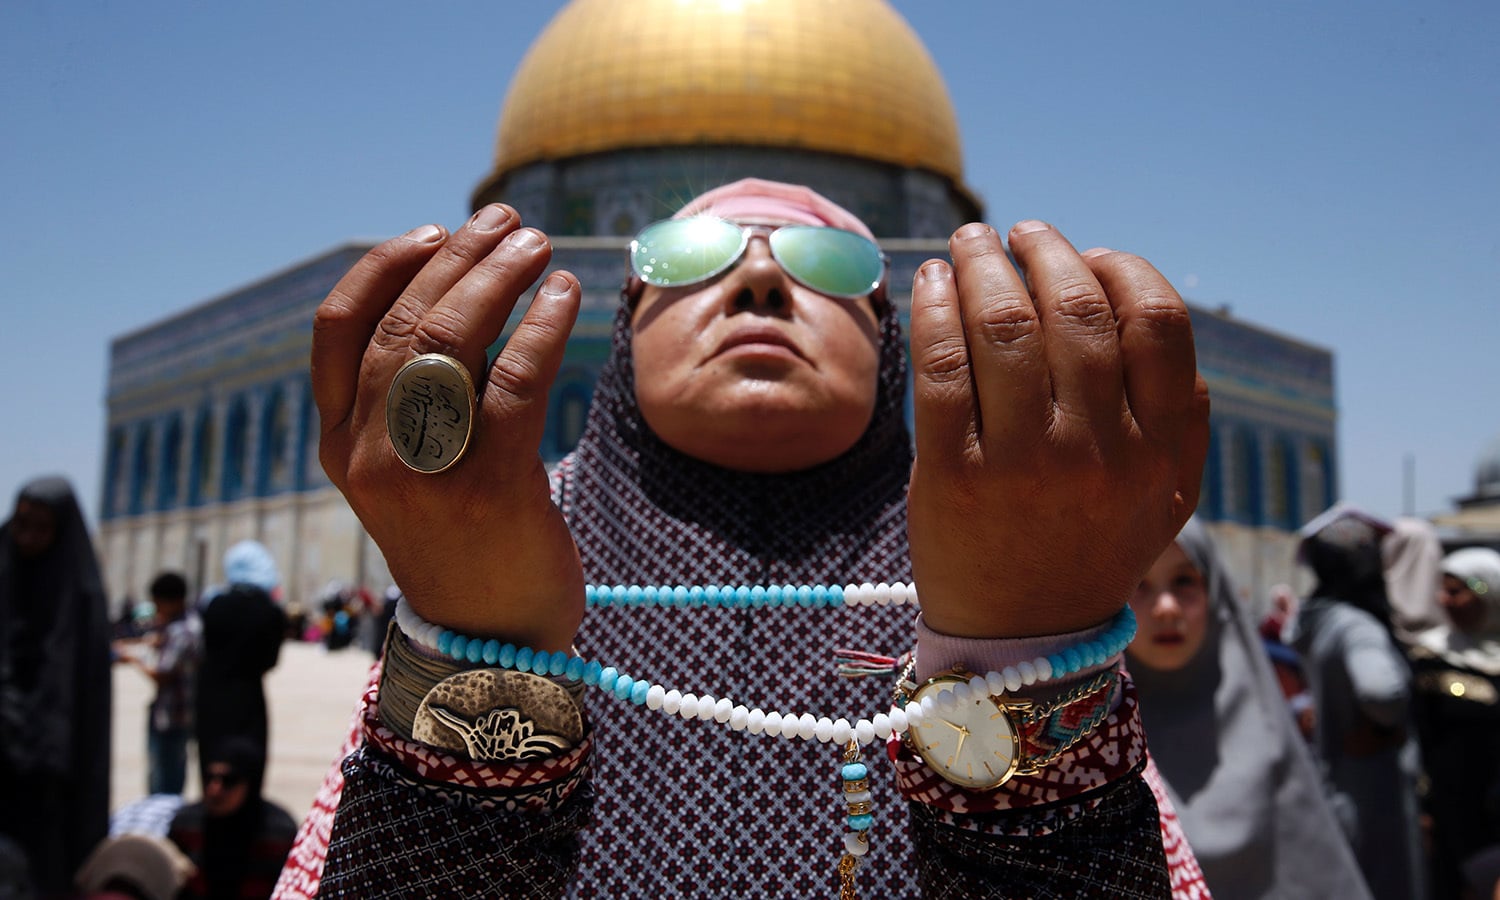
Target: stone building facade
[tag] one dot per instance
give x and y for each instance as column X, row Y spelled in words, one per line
column 211, row 434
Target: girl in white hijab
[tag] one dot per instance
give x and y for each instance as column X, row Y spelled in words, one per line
column 1457, row 668
column 1470, row 595
column 1244, row 784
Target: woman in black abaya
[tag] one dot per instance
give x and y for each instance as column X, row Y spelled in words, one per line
column 54, row 685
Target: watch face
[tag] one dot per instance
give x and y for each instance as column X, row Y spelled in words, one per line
column 968, row 740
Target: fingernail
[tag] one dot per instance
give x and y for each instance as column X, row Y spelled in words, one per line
column 1028, row 226
column 424, row 234
column 556, row 283
column 932, row 270
column 1096, row 251
column 526, row 239
column 972, row 231
column 489, row 218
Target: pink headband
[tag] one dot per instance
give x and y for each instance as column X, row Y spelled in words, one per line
column 757, row 200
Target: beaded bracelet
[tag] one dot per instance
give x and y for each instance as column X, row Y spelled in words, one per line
column 492, row 652
column 850, row 736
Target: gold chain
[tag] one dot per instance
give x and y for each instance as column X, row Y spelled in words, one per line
column 1041, row 710
column 849, row 862
column 847, row 865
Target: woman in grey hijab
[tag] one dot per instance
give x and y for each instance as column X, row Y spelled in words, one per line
column 1244, row 784
column 1361, row 686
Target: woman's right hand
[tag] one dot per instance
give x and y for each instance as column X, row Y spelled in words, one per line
column 479, row 548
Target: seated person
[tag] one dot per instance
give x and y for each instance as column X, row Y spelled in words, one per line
column 236, row 838
column 748, row 431
column 134, row 867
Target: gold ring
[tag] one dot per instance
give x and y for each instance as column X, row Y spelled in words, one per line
column 429, row 412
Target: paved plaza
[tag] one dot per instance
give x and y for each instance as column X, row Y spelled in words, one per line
column 311, row 694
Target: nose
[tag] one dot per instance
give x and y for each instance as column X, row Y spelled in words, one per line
column 757, row 282
column 1166, row 607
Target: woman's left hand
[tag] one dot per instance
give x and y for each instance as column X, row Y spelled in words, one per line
column 1061, row 429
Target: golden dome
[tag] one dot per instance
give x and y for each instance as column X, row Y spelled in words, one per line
column 841, row 76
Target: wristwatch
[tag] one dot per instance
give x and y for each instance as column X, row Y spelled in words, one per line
column 979, row 740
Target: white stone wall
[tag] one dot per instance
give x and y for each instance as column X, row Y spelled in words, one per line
column 314, row 538
column 1258, row 560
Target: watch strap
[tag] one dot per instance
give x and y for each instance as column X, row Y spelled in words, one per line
column 1048, row 729
column 1110, row 752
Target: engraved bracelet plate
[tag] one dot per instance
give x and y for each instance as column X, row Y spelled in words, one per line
column 429, row 413
column 499, row 715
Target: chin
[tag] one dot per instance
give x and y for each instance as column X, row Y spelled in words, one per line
column 1158, row 661
column 762, row 429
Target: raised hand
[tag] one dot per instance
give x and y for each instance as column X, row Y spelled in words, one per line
column 479, row 547
column 1061, row 431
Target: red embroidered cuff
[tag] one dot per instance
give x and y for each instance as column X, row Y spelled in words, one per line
column 561, row 773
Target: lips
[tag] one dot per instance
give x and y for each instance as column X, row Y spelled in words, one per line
column 1168, row 639
column 752, row 337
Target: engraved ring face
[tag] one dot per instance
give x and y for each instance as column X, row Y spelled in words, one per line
column 429, row 413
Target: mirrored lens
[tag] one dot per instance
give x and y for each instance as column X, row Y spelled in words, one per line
column 684, row 251
column 829, row 260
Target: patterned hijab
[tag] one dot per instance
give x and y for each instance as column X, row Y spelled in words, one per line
column 1244, row 783
column 693, row 807
column 1478, row 650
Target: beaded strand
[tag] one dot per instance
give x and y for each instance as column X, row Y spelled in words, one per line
column 859, row 803
column 707, row 707
column 747, row 596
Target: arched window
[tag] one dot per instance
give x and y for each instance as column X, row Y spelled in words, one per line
column 1244, row 478
column 1313, row 474
column 114, row 482
column 1211, row 493
column 205, row 446
column 1279, row 501
column 271, row 456
column 141, row 469
column 236, row 436
column 171, row 464
column 308, row 470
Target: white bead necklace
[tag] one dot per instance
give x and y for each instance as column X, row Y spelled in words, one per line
column 739, row 717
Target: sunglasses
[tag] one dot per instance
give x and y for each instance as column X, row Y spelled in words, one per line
column 228, row 779
column 1474, row 584
column 832, row 261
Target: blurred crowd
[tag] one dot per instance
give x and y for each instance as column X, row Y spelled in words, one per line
column 1345, row 744
column 206, row 654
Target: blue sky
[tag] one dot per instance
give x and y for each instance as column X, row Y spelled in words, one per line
column 1326, row 170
